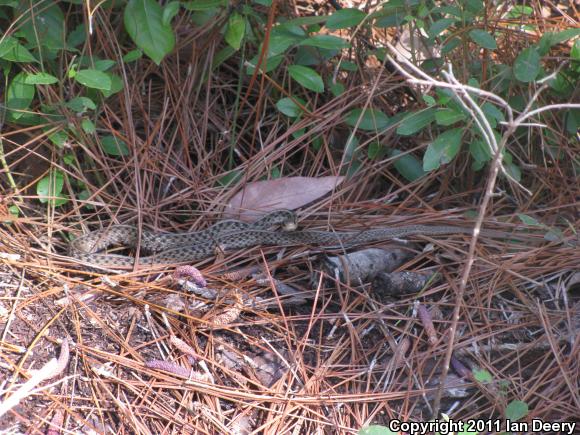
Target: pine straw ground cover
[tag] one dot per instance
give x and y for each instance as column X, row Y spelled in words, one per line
column 146, row 356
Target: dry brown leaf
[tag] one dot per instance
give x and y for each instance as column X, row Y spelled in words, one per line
column 261, row 197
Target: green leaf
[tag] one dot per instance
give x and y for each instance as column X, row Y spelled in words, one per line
column 14, row 210
column 561, row 84
column 104, row 64
column 352, row 169
column 9, row 3
column 42, row 24
column 77, row 37
column 297, row 134
column 511, row 168
column 474, row 6
column 7, row 44
column 528, row 220
column 282, row 38
column 376, row 151
column 575, row 51
column 449, row 10
column 19, row 95
column 204, row 5
column 85, row 62
column 88, row 126
column 518, row 11
column 83, row 197
column 439, row 26
column 350, row 149
column 572, row 120
column 305, row 21
column 518, row 102
column 492, row 113
column 407, row 165
column 550, row 39
column 92, row 78
column 326, row 41
column 235, row 30
column 396, row 6
column 451, row 45
column 116, row 85
column 221, row 56
column 40, row 78
column 395, row 19
column 346, row 65
column 376, row 430
column 414, row 122
column 133, row 55
column 480, row 152
column 429, row 100
column 448, row 117
column 443, row 149
column 169, row 11
column 307, row 77
column 12, row 50
column 81, row 104
column 205, row 17
column 49, row 188
column 483, row 39
column 345, row 18
column 144, row 24
column 289, row 108
column 337, row 89
column 317, row 143
column 516, row 410
column 267, row 65
column 230, row 178
column 472, row 81
column 59, row 138
column 114, row 146
column 482, row 376
column 307, row 56
column 527, row 65
column 371, row 120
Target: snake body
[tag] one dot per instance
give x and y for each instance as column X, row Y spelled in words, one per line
column 166, row 248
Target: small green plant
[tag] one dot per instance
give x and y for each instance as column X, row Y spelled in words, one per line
column 516, row 410
column 31, row 59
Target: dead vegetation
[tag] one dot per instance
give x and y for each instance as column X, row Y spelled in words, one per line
column 148, row 357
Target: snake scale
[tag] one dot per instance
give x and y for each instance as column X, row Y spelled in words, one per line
column 167, row 248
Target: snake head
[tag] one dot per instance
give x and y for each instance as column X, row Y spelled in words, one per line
column 290, row 220
column 279, row 218
column 290, row 226
column 284, row 218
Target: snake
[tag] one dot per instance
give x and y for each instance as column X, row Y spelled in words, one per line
column 227, row 235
